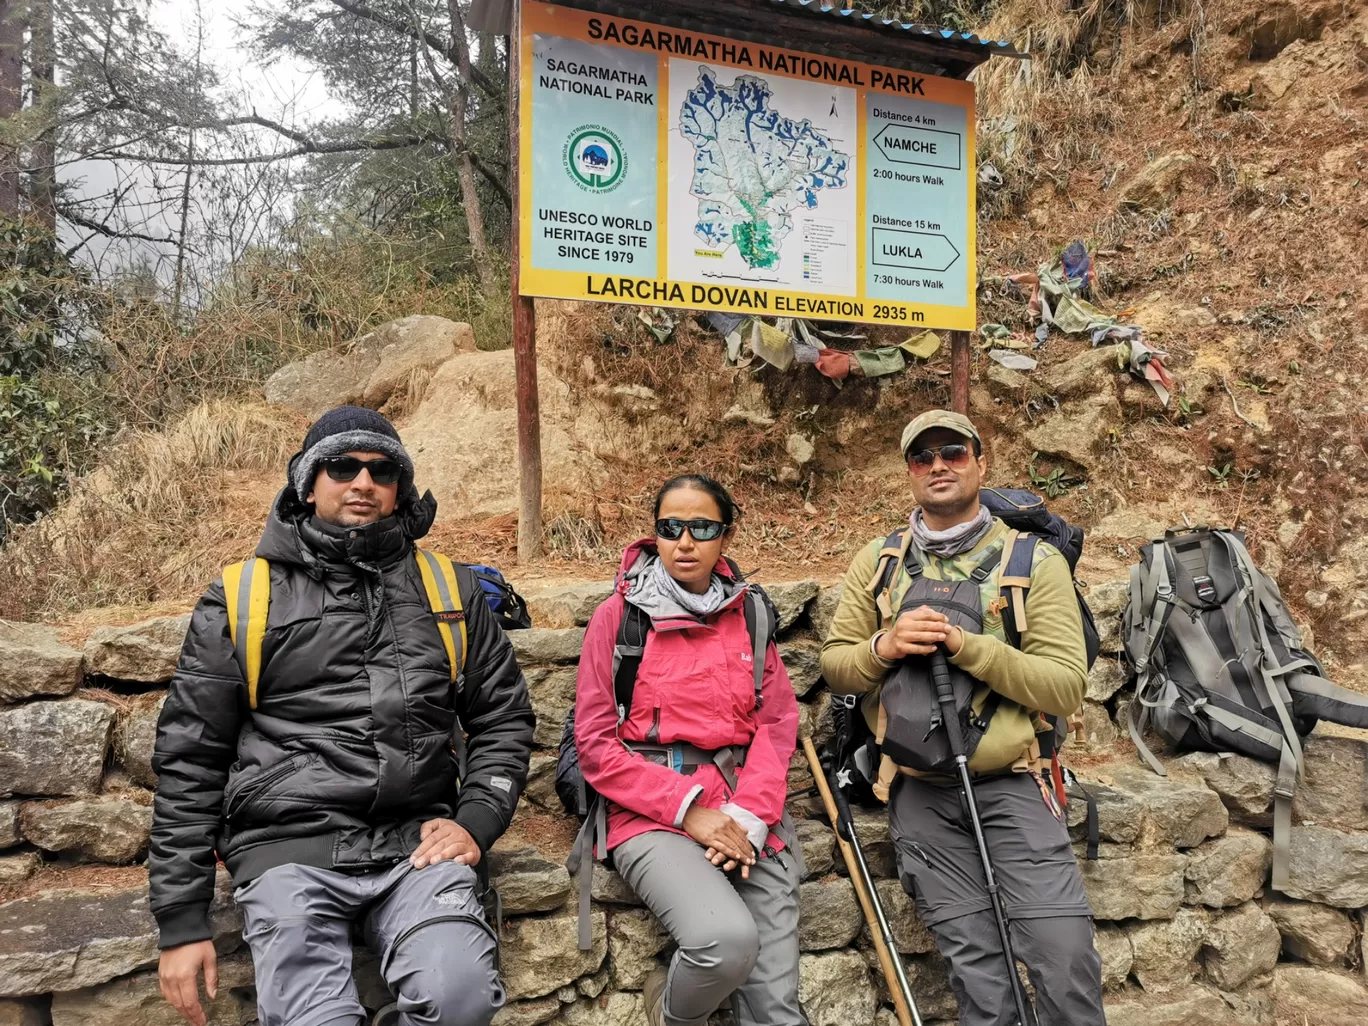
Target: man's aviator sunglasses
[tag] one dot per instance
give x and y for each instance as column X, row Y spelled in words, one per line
column 956, row 456
column 345, row 468
column 672, row 529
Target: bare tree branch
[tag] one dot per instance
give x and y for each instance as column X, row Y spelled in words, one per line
column 305, row 148
column 104, row 228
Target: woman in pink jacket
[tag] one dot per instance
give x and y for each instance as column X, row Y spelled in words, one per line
column 695, row 772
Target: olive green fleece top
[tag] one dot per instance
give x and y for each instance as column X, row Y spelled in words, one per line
column 1048, row 674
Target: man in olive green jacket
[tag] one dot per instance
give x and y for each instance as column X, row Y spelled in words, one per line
column 1051, row 925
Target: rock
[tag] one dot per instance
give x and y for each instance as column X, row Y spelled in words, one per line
column 566, row 604
column 1320, row 995
column 802, row 660
column 81, row 935
column 135, row 735
column 1241, row 945
column 1074, row 430
column 541, row 645
column 821, row 611
column 137, row 1000
column 930, row 979
column 817, row 842
column 33, row 661
column 53, row 748
column 1313, row 933
column 830, row 916
column 871, row 829
column 24, row 1013
column 593, row 986
column 541, row 955
column 1135, row 887
column 325, row 379
column 1120, row 815
column 1165, row 315
column 105, row 828
column 1114, row 945
column 1158, row 183
column 799, row 448
column 1099, row 732
column 527, row 882
column 1086, row 374
column 145, row 652
column 1165, row 950
column 1193, row 1005
column 1179, row 812
column 618, row 1008
column 1105, row 679
column 635, row 937
column 910, row 935
column 790, row 598
column 1107, row 599
column 1333, row 789
column 567, row 994
column 15, row 869
column 527, row 1013
column 1229, row 870
column 413, row 345
column 1244, row 785
column 1328, row 866
column 9, row 825
column 1005, row 383
column 609, row 888
column 835, row 990
column 553, row 694
column 541, row 782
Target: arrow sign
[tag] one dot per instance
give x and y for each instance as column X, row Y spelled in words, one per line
column 927, row 147
column 917, row 251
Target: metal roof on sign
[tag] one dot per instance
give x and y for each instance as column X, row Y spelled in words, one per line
column 868, row 20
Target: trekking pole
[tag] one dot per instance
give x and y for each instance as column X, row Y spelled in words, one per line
column 889, row 960
column 945, row 695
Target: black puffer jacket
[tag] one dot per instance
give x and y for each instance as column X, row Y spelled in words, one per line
column 350, row 748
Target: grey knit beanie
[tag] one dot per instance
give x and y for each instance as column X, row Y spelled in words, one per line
column 343, row 430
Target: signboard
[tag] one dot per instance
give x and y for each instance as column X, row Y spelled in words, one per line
column 665, row 167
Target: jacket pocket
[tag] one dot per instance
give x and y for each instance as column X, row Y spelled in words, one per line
column 241, row 791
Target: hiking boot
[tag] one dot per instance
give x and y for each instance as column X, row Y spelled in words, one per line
column 387, row 1016
column 653, row 990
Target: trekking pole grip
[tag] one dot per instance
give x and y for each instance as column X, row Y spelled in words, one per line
column 945, row 695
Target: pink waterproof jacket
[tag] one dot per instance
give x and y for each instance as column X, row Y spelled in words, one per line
column 696, row 684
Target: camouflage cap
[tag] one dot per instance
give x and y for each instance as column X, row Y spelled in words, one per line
column 956, row 422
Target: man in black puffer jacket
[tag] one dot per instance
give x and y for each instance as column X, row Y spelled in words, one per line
column 330, row 788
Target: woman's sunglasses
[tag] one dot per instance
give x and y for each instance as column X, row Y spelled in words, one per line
column 955, row 456
column 672, row 529
column 345, row 468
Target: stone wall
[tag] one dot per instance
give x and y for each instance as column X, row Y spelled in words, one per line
column 1187, row 928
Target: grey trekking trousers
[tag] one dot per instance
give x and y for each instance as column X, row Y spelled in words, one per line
column 1051, row 921
column 437, row 952
column 737, row 938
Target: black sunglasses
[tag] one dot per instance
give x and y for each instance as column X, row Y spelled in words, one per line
column 955, row 456
column 672, row 529
column 345, row 468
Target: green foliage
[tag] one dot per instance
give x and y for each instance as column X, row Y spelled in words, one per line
column 1054, row 483
column 1221, row 475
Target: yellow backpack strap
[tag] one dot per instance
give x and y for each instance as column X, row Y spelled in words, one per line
column 247, row 592
column 1015, row 586
column 891, row 556
column 444, row 597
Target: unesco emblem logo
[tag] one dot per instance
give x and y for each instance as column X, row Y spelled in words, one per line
column 594, row 159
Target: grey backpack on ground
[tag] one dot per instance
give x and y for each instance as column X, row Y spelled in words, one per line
column 1220, row 666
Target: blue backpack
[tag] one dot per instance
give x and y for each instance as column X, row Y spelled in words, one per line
column 507, row 604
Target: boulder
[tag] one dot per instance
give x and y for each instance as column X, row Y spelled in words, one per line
column 1086, row 374
column 1135, row 887
column 1105, row 679
column 327, row 378
column 1158, row 183
column 929, row 977
column 1313, row 933
column 411, row 346
column 871, row 829
column 145, row 652
column 9, row 825
column 1099, row 732
column 835, row 989
column 790, row 598
column 1120, row 815
column 1241, row 945
column 593, row 986
column 24, row 1013
column 1179, row 812
column 553, row 694
column 135, row 735
column 15, row 869
column 1073, row 432
column 1244, row 785
column 1165, row 950
column 817, row 842
column 105, row 828
column 1319, row 995
column 822, row 610
column 1114, row 946
column 527, row 1013
column 527, row 882
column 635, row 937
column 910, row 935
column 1005, row 383
column 541, row 782
column 566, row 604
column 802, row 660
column 1333, row 789
column 1329, row 866
column 1229, row 870
column 53, row 748
column 541, row 645
column 78, row 934
column 34, row 661
column 540, row 955
column 829, row 916
column 616, row 1008
column 137, row 1000
column 1191, row 1005
column 610, row 888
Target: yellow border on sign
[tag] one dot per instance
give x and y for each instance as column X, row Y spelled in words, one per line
column 572, row 23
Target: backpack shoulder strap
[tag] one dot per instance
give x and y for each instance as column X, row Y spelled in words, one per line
column 1014, row 581
column 891, row 556
column 444, row 598
column 630, row 646
column 760, row 624
column 247, row 593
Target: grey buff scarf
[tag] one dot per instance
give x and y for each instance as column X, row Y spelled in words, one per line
column 960, row 538
column 661, row 595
